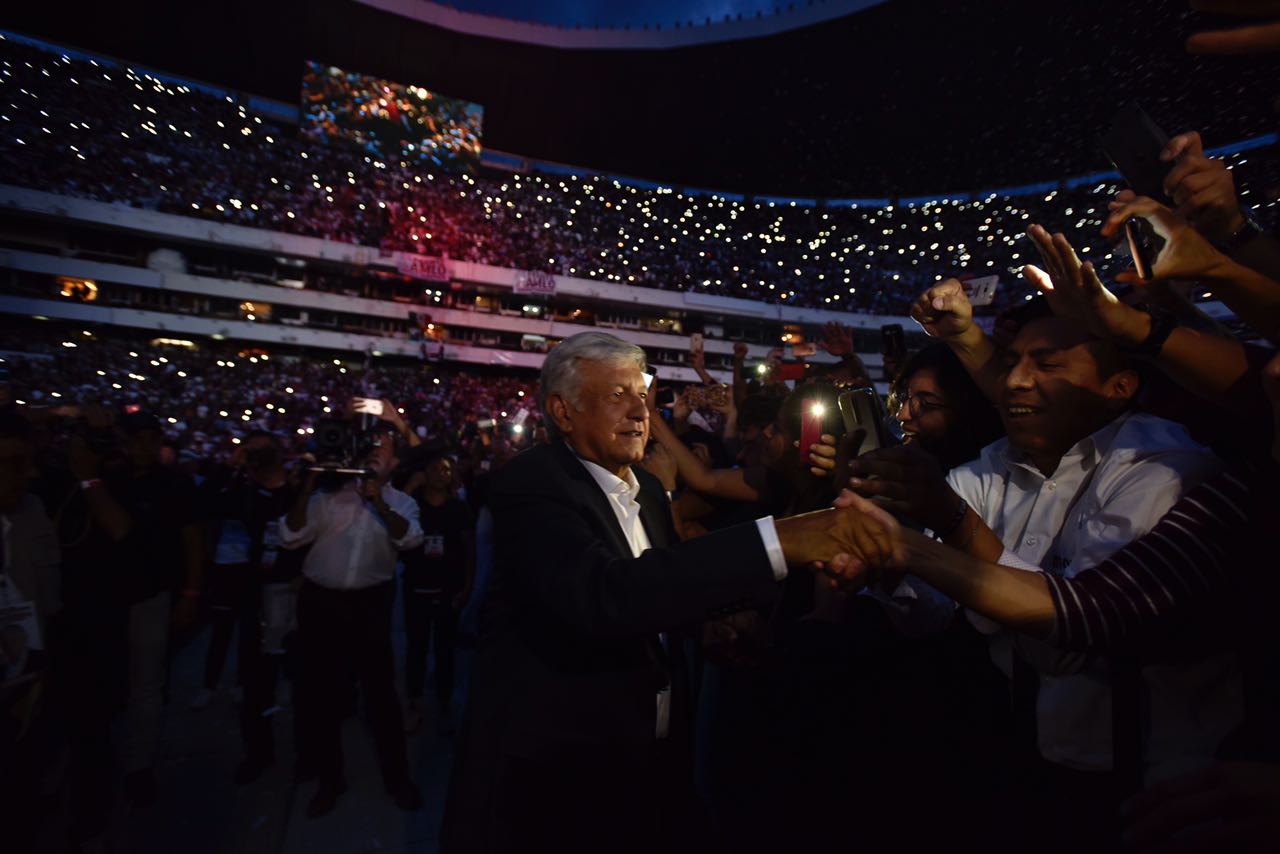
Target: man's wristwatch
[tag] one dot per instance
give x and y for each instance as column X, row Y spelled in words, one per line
column 1241, row 237
column 1163, row 322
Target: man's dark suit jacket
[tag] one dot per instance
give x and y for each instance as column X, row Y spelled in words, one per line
column 562, row 707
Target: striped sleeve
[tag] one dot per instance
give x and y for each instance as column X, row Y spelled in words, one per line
column 1185, row 556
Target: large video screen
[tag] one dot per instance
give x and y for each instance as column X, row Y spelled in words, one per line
column 389, row 119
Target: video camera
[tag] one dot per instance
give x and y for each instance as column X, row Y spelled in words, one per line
column 342, row 448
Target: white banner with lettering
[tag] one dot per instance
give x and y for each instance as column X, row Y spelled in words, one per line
column 427, row 267
column 535, row 282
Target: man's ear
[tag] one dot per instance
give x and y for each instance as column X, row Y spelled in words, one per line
column 1123, row 385
column 560, row 409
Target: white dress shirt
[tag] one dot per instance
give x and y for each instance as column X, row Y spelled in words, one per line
column 622, row 494
column 352, row 547
column 1109, row 489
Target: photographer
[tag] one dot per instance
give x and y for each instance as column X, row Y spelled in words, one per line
column 356, row 530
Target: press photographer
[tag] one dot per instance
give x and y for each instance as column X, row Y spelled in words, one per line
column 356, row 524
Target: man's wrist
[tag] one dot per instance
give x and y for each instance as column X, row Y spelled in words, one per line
column 1223, row 270
column 971, row 337
column 1135, row 330
column 1239, row 233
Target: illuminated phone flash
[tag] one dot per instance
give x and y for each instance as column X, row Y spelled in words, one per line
column 818, row 410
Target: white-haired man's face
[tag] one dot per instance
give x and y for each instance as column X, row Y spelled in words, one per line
column 609, row 422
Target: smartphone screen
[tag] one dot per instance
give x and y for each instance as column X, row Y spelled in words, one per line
column 893, row 342
column 368, row 406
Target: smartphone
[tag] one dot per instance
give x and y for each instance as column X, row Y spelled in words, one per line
column 1140, row 248
column 367, row 406
column 982, row 290
column 813, row 419
column 790, row 371
column 862, row 409
column 695, row 342
column 893, row 342
column 1133, row 145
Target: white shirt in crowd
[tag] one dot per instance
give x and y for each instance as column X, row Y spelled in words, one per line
column 622, row 494
column 351, row 547
column 1108, row 490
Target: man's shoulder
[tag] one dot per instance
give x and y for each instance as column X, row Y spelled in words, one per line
column 993, row 459
column 1141, row 437
column 392, row 494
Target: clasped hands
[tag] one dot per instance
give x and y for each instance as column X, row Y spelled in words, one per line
column 852, row 544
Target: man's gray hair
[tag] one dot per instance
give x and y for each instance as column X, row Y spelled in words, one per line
column 560, row 370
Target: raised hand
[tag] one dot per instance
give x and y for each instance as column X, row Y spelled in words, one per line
column 837, row 339
column 680, row 411
column 944, row 310
column 659, row 462
column 1186, row 254
column 1075, row 292
column 1202, row 188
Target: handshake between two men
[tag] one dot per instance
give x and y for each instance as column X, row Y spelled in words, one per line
column 853, row 544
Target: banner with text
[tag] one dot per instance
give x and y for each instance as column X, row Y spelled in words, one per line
column 535, row 282
column 427, row 267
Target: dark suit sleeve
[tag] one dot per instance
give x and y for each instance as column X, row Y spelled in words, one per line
column 550, row 551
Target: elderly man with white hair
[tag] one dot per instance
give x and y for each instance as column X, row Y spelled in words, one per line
column 578, row 724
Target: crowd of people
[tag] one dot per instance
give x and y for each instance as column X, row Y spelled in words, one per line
column 109, row 133
column 384, row 117
column 211, row 397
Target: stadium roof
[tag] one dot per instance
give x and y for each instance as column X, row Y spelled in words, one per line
column 607, row 24
column 901, row 99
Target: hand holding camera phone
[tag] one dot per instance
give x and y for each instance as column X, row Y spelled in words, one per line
column 367, row 406
column 1134, row 144
column 862, row 409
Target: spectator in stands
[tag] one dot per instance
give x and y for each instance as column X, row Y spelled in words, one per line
column 356, row 530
